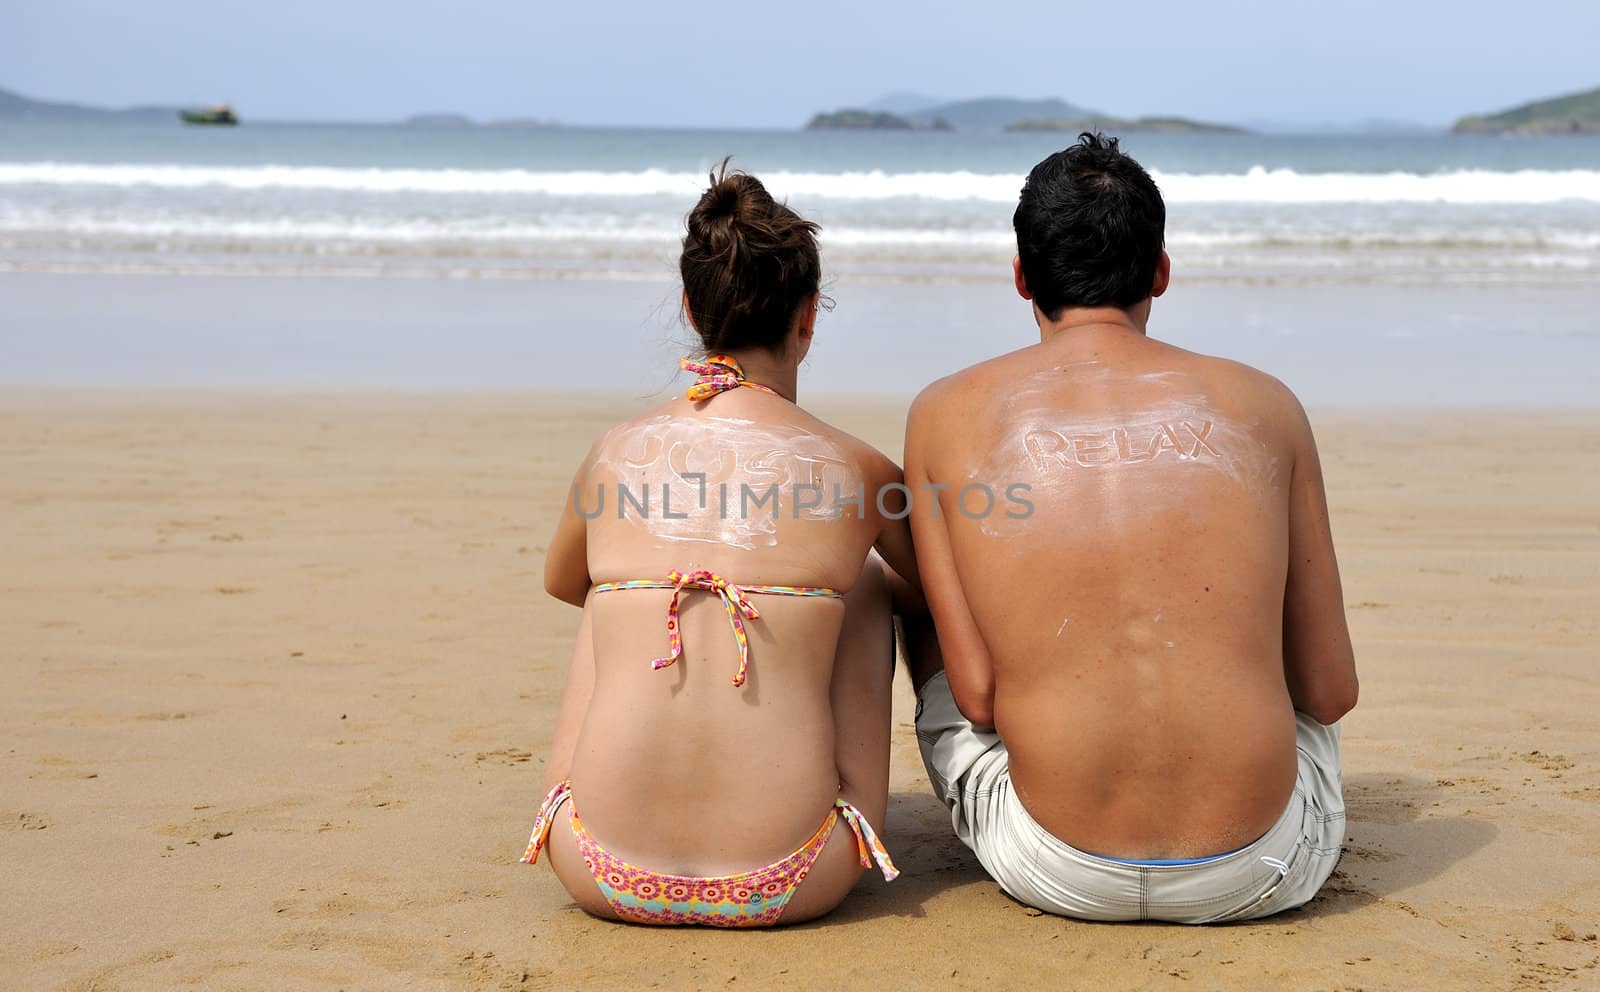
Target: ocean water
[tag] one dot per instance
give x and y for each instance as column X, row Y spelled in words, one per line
column 534, row 203
column 1432, row 270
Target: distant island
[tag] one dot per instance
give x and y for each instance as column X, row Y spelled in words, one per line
column 440, row 120
column 871, row 120
column 15, row 105
column 1578, row 113
column 1125, row 125
column 1002, row 114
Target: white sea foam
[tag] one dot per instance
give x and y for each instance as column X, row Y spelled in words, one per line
column 1257, row 185
column 606, row 228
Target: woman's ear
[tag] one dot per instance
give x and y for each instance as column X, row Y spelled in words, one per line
column 808, row 316
column 1016, row 277
column 806, row 326
column 688, row 315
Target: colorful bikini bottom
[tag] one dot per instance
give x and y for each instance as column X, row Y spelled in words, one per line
column 749, row 899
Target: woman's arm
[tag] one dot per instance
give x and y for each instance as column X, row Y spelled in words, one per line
column 894, row 541
column 574, row 702
column 566, row 563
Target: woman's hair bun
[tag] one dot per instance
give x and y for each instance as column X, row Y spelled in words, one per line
column 724, row 198
column 731, row 198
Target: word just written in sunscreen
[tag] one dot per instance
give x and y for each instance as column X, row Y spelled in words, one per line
column 681, row 458
column 669, row 449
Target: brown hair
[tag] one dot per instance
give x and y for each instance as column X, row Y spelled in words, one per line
column 748, row 264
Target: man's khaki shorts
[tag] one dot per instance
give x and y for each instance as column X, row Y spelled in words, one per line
column 1283, row 869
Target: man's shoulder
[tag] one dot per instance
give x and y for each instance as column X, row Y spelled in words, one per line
column 972, row 384
column 1244, row 384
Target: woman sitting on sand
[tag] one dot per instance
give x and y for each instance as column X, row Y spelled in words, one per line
column 703, row 756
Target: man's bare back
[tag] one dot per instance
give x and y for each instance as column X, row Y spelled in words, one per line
column 1133, row 621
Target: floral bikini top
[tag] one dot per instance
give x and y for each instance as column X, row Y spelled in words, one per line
column 716, row 374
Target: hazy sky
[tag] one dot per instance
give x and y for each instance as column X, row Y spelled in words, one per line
column 658, row 62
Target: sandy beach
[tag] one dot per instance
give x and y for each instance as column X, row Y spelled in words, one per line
column 280, row 674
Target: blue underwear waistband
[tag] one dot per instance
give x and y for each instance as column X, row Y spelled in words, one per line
column 1168, row 862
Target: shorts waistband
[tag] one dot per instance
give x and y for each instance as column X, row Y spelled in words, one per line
column 1276, row 844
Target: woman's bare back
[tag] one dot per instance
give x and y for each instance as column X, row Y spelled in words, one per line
column 747, row 487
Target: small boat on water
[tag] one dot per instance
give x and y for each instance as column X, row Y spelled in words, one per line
column 220, row 114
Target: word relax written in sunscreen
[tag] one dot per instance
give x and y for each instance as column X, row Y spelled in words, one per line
column 1121, row 445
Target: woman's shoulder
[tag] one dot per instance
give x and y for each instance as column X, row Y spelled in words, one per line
column 872, row 462
column 642, row 423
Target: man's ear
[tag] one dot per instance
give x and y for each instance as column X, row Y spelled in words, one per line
column 1163, row 275
column 1016, row 277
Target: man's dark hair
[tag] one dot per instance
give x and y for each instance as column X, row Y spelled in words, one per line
column 1090, row 227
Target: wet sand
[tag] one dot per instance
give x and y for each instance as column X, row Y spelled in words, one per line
column 1495, row 347
column 280, row 676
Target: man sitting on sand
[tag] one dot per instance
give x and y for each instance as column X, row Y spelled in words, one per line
column 1126, row 551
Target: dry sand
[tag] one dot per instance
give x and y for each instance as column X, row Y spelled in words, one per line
column 279, row 676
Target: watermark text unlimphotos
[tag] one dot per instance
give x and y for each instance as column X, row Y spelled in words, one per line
column 975, row 500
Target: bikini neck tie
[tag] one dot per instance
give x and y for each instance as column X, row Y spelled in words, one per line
column 718, row 373
column 733, row 598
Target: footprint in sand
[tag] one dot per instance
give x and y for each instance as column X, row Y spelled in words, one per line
column 483, row 971
column 504, row 756
column 1548, row 762
column 23, row 821
column 1377, row 854
column 216, row 824
column 325, row 908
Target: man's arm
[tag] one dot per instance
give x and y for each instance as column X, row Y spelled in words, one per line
column 1318, row 661
column 967, row 663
